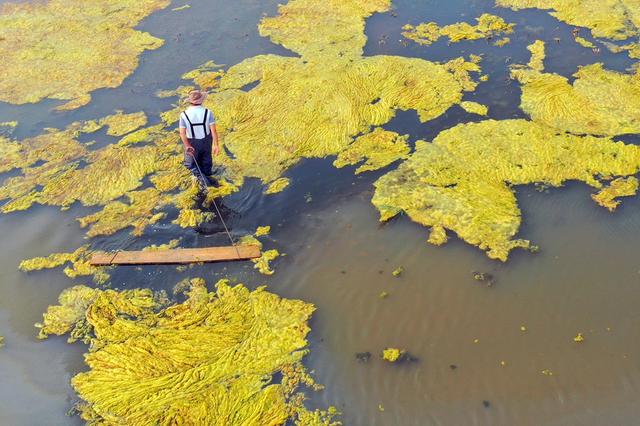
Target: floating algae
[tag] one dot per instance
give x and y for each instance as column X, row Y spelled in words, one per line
column 54, row 148
column 598, row 102
column 110, row 174
column 488, row 26
column 146, row 134
column 119, row 124
column 502, row 42
column 277, row 185
column 463, row 180
column 263, row 263
column 57, row 170
column 212, row 357
column 584, row 42
column 206, row 76
column 189, row 218
column 139, row 214
column 537, row 55
column 170, row 245
column 614, row 19
column 392, row 354
column 620, row 187
column 398, row 271
column 633, row 49
column 64, row 49
column 289, row 115
column 78, row 259
column 474, row 108
column 262, row 230
column 379, row 148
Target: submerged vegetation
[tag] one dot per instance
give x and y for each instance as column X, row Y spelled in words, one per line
column 214, row 356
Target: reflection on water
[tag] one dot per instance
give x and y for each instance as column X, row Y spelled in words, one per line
column 338, row 257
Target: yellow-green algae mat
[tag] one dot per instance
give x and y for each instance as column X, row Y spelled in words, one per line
column 464, row 179
column 64, row 49
column 208, row 360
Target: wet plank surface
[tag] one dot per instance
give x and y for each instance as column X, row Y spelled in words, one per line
column 189, row 255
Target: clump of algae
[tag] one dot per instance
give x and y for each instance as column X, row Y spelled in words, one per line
column 213, row 356
column 110, row 173
column 262, row 263
column 379, row 148
column 277, row 185
column 620, row 187
column 584, row 42
column 614, row 19
column 170, row 245
column 78, row 260
column 463, row 180
column 189, row 218
column 139, row 213
column 598, row 102
column 262, row 230
column 119, row 124
column 474, row 108
column 65, row 49
column 633, row 49
column 392, row 354
column 206, row 76
column 55, row 148
column 487, row 26
column 537, row 55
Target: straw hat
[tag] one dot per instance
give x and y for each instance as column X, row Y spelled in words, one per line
column 196, row 97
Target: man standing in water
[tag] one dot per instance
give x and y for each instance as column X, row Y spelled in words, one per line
column 199, row 136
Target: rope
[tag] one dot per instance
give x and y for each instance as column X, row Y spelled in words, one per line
column 204, row 180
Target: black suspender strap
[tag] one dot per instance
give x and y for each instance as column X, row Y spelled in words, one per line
column 203, row 124
column 193, row 132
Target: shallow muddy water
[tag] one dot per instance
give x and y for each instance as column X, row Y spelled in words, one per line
column 473, row 363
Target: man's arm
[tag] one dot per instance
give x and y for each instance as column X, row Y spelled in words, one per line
column 214, row 134
column 187, row 146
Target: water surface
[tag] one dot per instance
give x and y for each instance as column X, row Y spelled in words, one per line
column 585, row 279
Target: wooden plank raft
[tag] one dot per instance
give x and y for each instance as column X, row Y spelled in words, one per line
column 182, row 255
